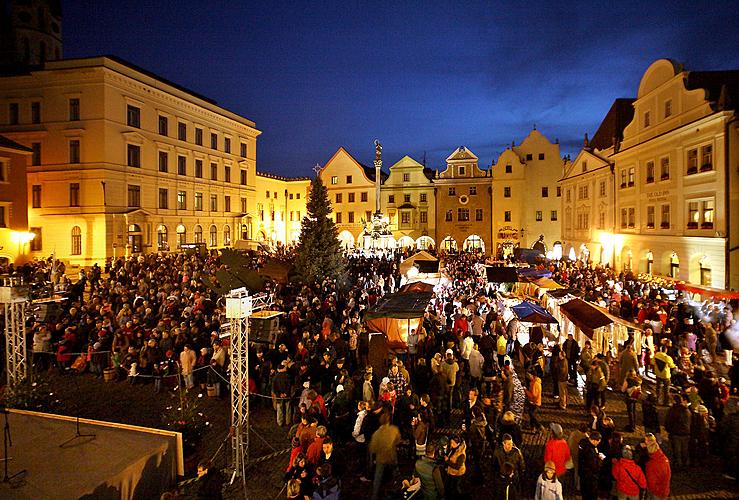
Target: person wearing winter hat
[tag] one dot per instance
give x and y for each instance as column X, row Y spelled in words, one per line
column 658, row 471
column 630, row 479
column 548, row 486
column 556, row 450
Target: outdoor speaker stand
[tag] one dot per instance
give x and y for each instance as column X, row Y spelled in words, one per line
column 16, row 479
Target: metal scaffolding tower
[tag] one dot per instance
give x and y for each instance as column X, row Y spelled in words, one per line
column 239, row 306
column 14, row 298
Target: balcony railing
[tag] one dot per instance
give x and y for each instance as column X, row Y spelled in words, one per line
column 650, row 180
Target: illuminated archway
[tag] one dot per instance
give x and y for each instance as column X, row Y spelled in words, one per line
column 346, row 239
column 405, row 242
column 448, row 244
column 473, row 243
column 424, row 243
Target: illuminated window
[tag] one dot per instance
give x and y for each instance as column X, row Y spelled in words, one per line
column 181, row 200
column 539, row 216
column 334, row 180
column 213, row 236
column 463, row 214
column 198, row 234
column 650, row 171
column 664, row 168
column 553, row 215
column 650, row 217
column 76, row 241
column 665, row 219
column 199, row 201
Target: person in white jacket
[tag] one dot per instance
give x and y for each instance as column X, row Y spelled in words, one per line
column 548, row 486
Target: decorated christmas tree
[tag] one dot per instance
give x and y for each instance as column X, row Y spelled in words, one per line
column 319, row 254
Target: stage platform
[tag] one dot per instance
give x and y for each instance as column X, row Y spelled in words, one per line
column 120, row 462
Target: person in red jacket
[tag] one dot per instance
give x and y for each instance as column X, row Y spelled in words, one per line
column 557, row 450
column 658, row 469
column 628, row 475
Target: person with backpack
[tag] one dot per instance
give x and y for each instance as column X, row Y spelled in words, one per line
column 663, row 363
column 629, row 477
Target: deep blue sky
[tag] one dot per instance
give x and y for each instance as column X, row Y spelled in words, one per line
column 419, row 76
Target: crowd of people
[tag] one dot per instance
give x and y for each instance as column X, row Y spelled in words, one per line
column 150, row 319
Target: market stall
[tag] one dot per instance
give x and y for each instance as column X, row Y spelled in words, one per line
column 396, row 314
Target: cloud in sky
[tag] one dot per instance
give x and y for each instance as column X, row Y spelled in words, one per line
column 420, row 76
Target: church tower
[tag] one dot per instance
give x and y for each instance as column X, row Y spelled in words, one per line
column 30, row 32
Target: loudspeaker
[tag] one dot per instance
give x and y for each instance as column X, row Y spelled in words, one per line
column 264, row 329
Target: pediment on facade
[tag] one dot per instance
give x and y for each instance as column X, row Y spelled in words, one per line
column 406, row 162
column 594, row 162
column 133, row 137
column 462, row 154
column 659, row 72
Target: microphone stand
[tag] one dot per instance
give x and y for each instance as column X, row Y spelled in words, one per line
column 16, row 479
column 78, row 434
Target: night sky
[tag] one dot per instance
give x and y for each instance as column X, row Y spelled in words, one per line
column 418, row 76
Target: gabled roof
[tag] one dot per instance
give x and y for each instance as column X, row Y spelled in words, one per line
column 613, row 125
column 6, row 143
column 406, row 162
column 369, row 172
column 570, row 173
column 461, row 153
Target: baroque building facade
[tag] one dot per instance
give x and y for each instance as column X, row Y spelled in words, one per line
column 526, row 195
column 15, row 240
column 674, row 168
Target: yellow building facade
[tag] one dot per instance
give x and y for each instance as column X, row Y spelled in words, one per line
column 280, row 208
column 124, row 162
column 352, row 192
column 463, row 204
column 676, row 179
column 408, row 200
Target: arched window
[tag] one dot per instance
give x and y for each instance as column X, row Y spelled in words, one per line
column 162, row 241
column 76, row 241
column 244, row 232
column 213, row 236
column 181, row 235
column 198, row 233
column 650, row 261
column 226, row 236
